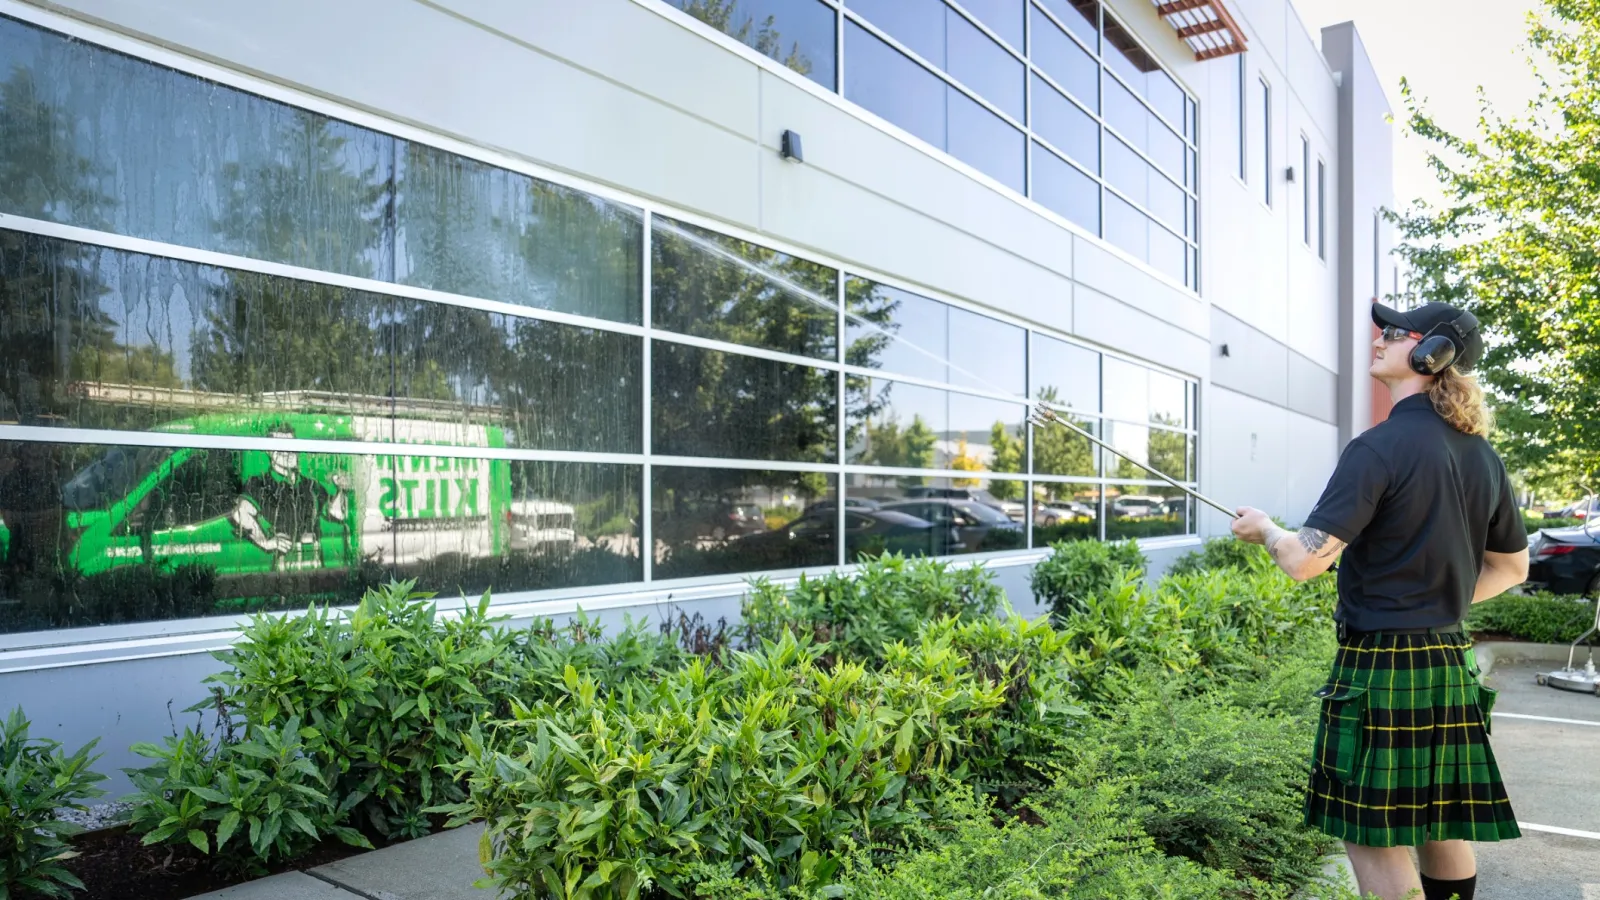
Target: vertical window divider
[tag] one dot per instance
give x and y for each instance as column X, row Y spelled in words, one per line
column 839, row 446
column 1027, row 437
column 647, row 544
column 1100, row 455
column 838, row 48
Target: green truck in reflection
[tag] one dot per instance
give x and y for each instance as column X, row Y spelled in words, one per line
column 255, row 511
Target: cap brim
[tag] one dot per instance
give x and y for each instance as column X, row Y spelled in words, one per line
column 1388, row 315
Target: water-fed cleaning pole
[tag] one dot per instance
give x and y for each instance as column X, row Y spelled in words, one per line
column 1043, row 415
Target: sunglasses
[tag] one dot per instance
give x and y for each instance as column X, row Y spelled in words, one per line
column 1392, row 333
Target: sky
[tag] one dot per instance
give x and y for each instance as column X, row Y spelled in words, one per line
column 1446, row 49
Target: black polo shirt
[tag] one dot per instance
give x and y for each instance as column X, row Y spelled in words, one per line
column 1418, row 502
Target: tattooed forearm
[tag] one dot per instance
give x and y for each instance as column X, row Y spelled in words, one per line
column 1271, row 538
column 1320, row 544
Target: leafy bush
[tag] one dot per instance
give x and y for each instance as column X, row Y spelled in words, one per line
column 1535, row 523
column 1222, row 553
column 1084, row 843
column 887, row 599
column 246, row 803
column 1076, row 570
column 1542, row 618
column 769, row 770
column 36, row 779
column 386, row 691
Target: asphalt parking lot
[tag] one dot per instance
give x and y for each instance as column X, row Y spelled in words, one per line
column 1552, row 772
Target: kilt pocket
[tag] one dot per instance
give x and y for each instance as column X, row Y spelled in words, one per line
column 1339, row 731
column 1486, row 697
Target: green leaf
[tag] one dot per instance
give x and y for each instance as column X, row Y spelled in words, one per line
column 198, row 839
column 226, row 827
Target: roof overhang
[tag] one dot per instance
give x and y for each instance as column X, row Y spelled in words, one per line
column 1205, row 25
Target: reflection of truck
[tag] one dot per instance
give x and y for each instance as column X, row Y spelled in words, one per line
column 248, row 511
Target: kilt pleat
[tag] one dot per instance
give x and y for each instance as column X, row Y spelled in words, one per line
column 1402, row 753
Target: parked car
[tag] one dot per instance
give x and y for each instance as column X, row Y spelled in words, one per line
column 970, row 525
column 1014, row 511
column 1566, row 560
column 1583, row 509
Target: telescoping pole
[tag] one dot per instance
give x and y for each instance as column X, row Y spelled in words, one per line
column 1043, row 415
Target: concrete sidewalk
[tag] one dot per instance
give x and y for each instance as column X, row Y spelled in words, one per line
column 438, row 867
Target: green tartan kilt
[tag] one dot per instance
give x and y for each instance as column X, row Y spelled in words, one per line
column 1402, row 753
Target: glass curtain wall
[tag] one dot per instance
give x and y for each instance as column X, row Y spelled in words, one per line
column 335, row 356
column 1055, row 99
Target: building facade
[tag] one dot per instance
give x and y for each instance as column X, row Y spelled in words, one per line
column 618, row 304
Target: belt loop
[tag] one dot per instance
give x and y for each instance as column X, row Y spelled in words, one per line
column 1342, row 629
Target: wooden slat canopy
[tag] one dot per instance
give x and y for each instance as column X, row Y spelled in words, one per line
column 1205, row 25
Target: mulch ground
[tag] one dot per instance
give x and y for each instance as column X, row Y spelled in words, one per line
column 113, row 865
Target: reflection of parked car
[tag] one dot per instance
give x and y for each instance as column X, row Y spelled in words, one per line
column 880, row 530
column 718, row 520
column 1061, row 512
column 1566, row 560
column 828, row 505
column 1013, row 510
column 1583, row 509
column 971, row 525
column 542, row 526
column 1136, row 506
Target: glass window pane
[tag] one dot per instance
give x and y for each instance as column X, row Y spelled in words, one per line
column 987, row 353
column 1127, row 389
column 163, row 533
column 886, row 82
column 1146, row 511
column 1168, row 253
column 985, row 435
column 909, row 426
column 919, row 25
column 895, row 330
column 1141, row 71
column 1127, row 172
column 1082, row 16
column 987, row 142
column 1167, row 400
column 712, row 403
column 927, row 516
column 988, row 69
column 1059, row 187
column 1264, row 144
column 1060, row 121
column 467, row 227
column 526, row 382
column 1064, row 61
column 714, row 286
column 1127, row 227
column 1061, row 451
column 102, row 140
column 728, row 521
column 1004, row 17
column 1065, row 375
column 1166, row 148
column 796, row 33
column 1064, row 511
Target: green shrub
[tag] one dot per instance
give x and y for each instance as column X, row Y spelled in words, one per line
column 1223, row 553
column 887, row 599
column 1535, row 523
column 245, row 803
column 36, row 779
column 1084, row 843
column 1542, row 618
column 768, row 770
column 386, row 691
column 1076, row 570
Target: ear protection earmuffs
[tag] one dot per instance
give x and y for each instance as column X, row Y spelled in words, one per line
column 1442, row 344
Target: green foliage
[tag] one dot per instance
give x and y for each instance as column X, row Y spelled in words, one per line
column 1075, row 571
column 1223, row 553
column 769, row 770
column 36, row 779
column 1542, row 618
column 1536, row 523
column 387, row 690
column 246, row 803
column 1514, row 241
column 889, row 598
column 1084, row 843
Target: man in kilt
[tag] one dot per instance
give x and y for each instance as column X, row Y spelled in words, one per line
column 1421, row 515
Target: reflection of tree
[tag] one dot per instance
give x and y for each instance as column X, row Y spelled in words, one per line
column 1009, row 453
column 1059, row 451
column 49, row 289
column 728, row 18
column 964, row 461
column 911, row 447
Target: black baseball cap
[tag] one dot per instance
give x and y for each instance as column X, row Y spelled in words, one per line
column 1460, row 326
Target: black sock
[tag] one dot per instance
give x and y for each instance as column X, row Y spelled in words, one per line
column 1439, row 889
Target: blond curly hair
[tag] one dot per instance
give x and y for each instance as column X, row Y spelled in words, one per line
column 1458, row 399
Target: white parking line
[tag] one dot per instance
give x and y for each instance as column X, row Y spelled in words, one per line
column 1569, row 832
column 1506, row 715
